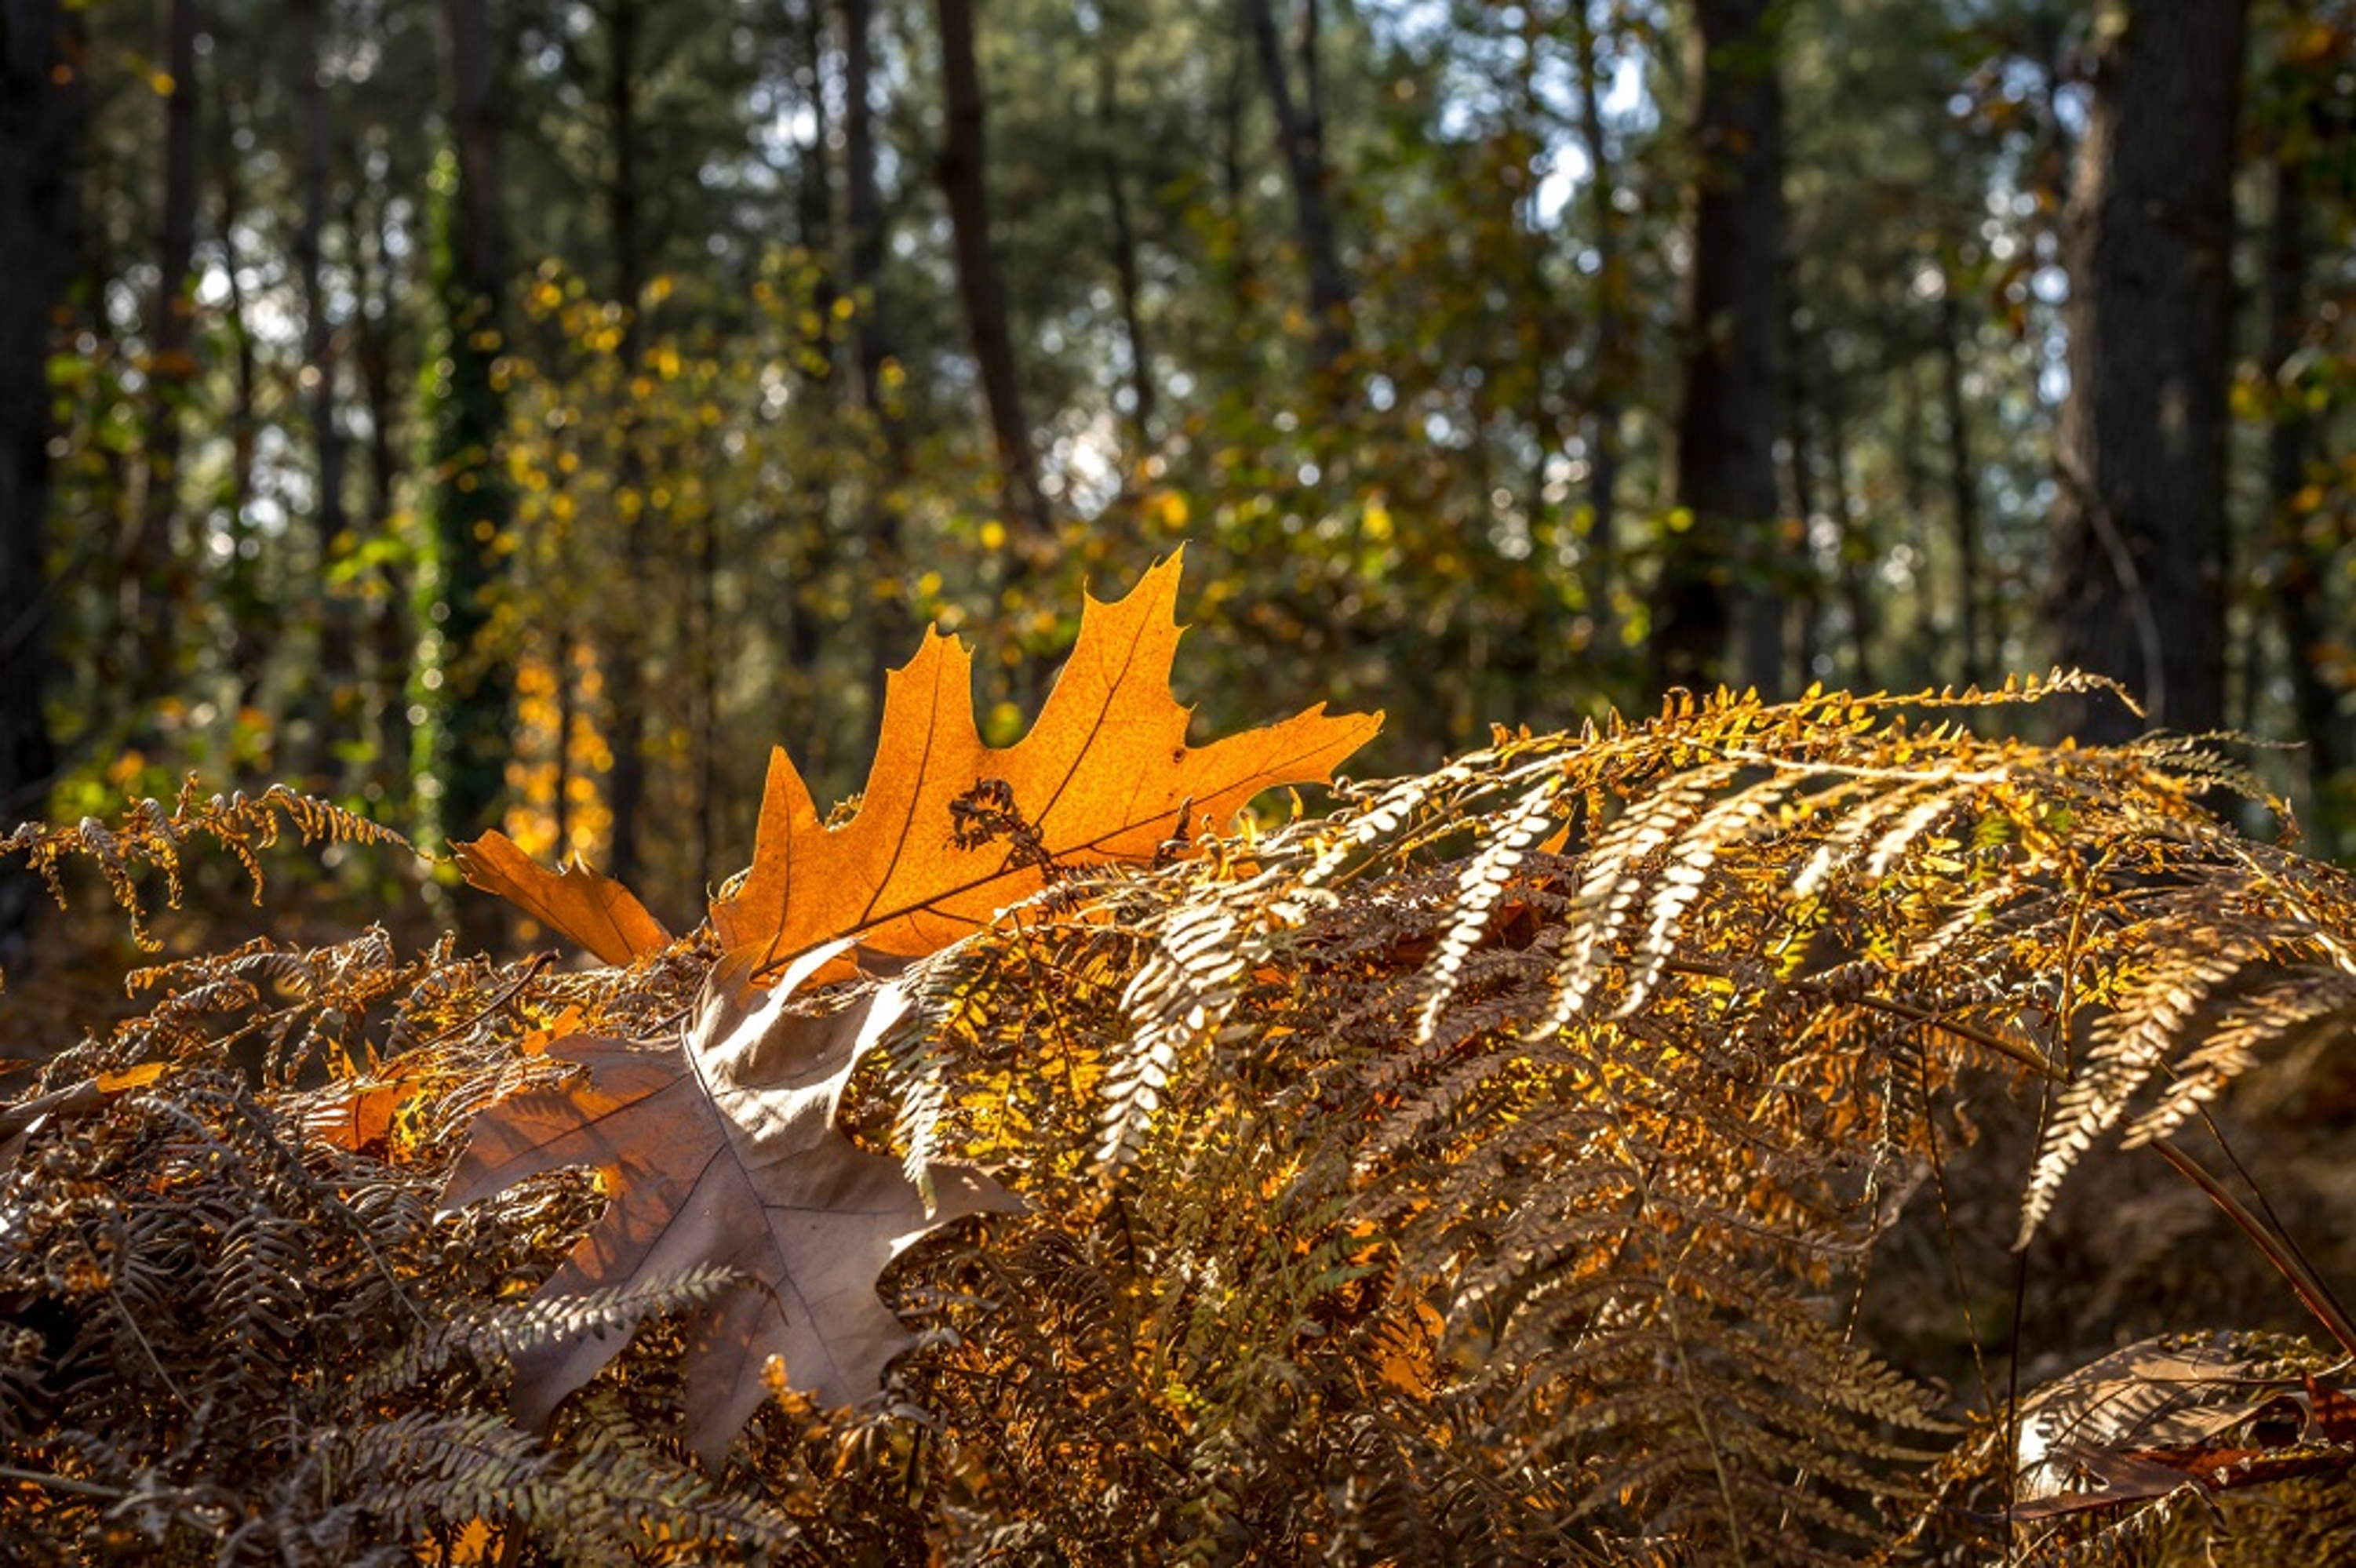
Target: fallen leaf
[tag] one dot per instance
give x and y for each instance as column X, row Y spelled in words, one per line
column 361, row 1118
column 949, row 830
column 589, row 907
column 20, row 1121
column 722, row 1150
column 2162, row 1414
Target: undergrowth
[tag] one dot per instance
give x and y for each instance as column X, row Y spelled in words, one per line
column 1491, row 1171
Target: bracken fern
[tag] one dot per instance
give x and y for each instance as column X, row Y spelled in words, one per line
column 1482, row 1173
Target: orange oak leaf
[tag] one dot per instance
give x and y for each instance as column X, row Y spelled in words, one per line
column 361, row 1118
column 593, row 908
column 721, row 1149
column 949, row 831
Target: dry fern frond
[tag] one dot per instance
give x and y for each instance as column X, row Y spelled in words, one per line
column 1603, row 1122
column 1486, row 1172
column 149, row 836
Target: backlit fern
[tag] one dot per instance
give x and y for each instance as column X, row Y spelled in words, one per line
column 1482, row 1173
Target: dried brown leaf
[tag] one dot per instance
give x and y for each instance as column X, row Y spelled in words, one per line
column 721, row 1149
column 591, row 908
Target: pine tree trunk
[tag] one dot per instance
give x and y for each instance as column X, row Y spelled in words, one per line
column 1123, row 234
column 376, row 275
column 625, row 669
column 240, row 592
column 1301, row 137
column 329, row 699
column 891, row 636
column 153, row 576
column 2301, row 570
column 1963, row 488
column 2139, row 590
column 963, row 176
column 37, row 118
column 1714, row 590
column 1613, row 366
column 464, row 783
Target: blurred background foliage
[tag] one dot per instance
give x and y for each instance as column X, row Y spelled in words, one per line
column 525, row 413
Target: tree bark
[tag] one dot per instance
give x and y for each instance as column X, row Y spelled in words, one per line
column 2139, row 589
column 1801, row 422
column 240, row 592
column 1123, row 231
column 814, row 185
column 2300, row 569
column 151, row 586
column 890, row 636
column 1858, row 551
column 1714, row 587
column 626, row 672
column 1613, row 368
column 329, row 701
column 463, row 783
column 1963, row 486
column 1233, row 257
column 1300, row 138
column 376, row 275
column 38, row 81
column 963, row 175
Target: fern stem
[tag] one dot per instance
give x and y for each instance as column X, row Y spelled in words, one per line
column 2303, row 1280
column 148, row 1349
column 62, row 1484
column 2273, row 1220
column 532, row 971
column 2011, row 1051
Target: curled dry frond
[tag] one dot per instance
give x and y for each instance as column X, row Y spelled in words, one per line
column 150, row 836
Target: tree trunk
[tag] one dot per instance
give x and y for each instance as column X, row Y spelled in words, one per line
column 890, row 636
column 1613, row 368
column 1800, row 417
column 152, row 588
column 1124, row 232
column 376, row 275
column 2301, row 570
column 814, row 187
column 465, row 782
column 246, row 615
column 329, row 698
column 1301, row 137
column 1858, row 552
column 626, row 672
column 1714, row 588
column 1962, row 486
column 810, row 533
column 1236, row 277
column 37, row 119
column 963, row 176
column 2140, row 536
